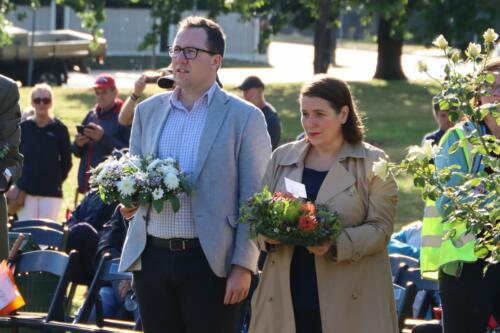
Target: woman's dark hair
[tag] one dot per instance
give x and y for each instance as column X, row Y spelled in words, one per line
column 336, row 92
column 216, row 39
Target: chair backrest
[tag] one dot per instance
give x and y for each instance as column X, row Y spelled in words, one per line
column 54, row 262
column 425, row 288
column 107, row 271
column 37, row 223
column 404, row 297
column 45, row 237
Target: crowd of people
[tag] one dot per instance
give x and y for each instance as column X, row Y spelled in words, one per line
column 193, row 269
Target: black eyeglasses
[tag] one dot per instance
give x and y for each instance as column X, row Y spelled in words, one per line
column 40, row 100
column 189, row 52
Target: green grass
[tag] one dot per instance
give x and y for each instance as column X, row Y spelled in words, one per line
column 397, row 114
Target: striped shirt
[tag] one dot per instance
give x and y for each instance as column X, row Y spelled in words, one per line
column 180, row 139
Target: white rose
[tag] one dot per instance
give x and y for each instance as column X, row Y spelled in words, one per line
column 171, row 181
column 473, row 50
column 170, row 160
column 157, row 194
column 455, row 56
column 126, row 186
column 153, row 164
column 440, row 42
column 490, row 36
column 381, row 168
column 422, row 66
column 415, row 153
column 429, row 149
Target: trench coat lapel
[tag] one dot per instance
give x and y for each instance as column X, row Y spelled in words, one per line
column 164, row 110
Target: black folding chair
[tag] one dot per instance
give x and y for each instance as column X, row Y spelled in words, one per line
column 404, row 297
column 107, row 271
column 30, row 264
column 45, row 237
column 38, row 223
column 426, row 289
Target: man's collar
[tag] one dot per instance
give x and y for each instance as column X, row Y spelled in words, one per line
column 208, row 94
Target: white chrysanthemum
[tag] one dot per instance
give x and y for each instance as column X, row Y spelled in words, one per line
column 166, row 169
column 440, row 42
column 171, row 181
column 157, row 194
column 415, row 153
column 490, row 36
column 381, row 168
column 126, row 186
column 153, row 164
column 429, row 149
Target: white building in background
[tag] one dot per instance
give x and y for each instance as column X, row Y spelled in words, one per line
column 125, row 28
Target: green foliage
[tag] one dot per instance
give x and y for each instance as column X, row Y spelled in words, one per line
column 289, row 220
column 472, row 202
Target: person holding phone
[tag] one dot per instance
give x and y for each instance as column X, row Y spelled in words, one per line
column 163, row 78
column 46, row 147
column 100, row 133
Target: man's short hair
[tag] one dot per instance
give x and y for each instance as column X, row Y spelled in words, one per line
column 216, row 39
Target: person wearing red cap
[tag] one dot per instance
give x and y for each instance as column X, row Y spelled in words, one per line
column 99, row 133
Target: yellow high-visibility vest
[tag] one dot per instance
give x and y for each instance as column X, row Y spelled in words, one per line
column 436, row 252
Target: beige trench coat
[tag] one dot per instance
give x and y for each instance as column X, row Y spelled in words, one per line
column 355, row 288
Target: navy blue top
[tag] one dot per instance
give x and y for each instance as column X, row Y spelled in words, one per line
column 47, row 158
column 303, row 283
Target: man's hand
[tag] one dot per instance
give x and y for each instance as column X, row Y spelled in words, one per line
column 237, row 285
column 123, row 287
column 81, row 140
column 21, row 198
column 127, row 213
column 319, row 250
column 94, row 131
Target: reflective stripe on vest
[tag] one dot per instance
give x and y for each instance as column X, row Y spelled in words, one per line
column 437, row 251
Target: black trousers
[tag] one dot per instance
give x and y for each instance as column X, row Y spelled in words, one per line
column 470, row 299
column 178, row 292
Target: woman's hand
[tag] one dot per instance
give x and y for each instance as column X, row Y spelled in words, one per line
column 270, row 240
column 319, row 250
column 127, row 213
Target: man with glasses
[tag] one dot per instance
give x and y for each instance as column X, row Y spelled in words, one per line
column 10, row 158
column 193, row 268
column 99, row 133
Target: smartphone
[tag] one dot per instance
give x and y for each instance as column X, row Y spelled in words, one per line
column 80, row 128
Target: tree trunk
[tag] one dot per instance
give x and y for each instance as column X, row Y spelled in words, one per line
column 323, row 38
column 390, row 49
column 334, row 47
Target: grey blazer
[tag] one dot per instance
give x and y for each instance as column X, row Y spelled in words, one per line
column 233, row 154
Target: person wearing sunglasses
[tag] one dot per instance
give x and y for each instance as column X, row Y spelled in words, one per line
column 46, row 147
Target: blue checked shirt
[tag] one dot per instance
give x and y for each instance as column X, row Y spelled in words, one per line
column 180, row 140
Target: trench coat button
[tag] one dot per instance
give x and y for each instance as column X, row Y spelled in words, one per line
column 270, row 299
column 354, row 295
column 272, row 262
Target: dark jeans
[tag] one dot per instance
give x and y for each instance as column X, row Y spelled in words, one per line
column 470, row 299
column 178, row 292
column 83, row 238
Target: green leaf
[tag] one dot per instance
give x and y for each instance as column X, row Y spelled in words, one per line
column 419, row 181
column 454, row 147
column 176, row 204
column 490, row 78
column 481, row 251
column 158, row 205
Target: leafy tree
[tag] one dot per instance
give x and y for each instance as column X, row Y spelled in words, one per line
column 321, row 15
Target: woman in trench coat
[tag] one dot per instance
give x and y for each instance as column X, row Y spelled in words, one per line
column 344, row 287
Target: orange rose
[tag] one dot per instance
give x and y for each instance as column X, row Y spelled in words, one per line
column 308, row 208
column 307, row 223
column 283, row 195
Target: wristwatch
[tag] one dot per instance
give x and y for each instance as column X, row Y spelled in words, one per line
column 134, row 97
column 5, row 182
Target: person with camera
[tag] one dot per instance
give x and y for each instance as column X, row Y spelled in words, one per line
column 163, row 78
column 46, row 147
column 100, row 133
